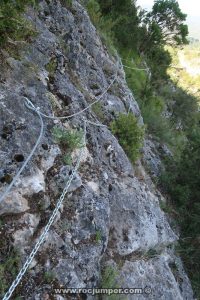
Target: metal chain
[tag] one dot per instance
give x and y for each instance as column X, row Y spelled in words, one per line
column 44, row 233
column 81, row 111
column 30, row 155
column 132, row 68
column 131, row 61
column 30, row 105
column 42, row 237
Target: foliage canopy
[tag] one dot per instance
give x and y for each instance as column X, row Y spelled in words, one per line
column 165, row 23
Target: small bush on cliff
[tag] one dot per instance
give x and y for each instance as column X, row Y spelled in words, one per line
column 8, row 270
column 130, row 135
column 97, row 109
column 69, row 140
column 109, row 277
column 94, row 11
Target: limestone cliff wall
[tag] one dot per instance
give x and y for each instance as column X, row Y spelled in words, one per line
column 111, row 214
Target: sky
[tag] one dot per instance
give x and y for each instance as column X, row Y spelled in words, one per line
column 190, row 7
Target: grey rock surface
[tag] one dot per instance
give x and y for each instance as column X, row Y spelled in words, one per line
column 151, row 157
column 14, row 203
column 158, row 275
column 110, row 213
column 137, row 222
column 153, row 153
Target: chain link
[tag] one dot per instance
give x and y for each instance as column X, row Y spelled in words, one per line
column 30, row 155
column 42, row 237
column 81, row 111
column 51, row 220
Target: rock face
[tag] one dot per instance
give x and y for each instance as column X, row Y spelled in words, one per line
column 157, row 273
column 110, row 214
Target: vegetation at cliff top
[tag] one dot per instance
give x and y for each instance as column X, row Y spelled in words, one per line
column 12, row 24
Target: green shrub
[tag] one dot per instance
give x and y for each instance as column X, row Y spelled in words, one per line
column 110, row 280
column 180, row 181
column 157, row 124
column 12, row 24
column 103, row 24
column 49, row 277
column 97, row 109
column 51, row 67
column 94, row 11
column 124, row 16
column 69, row 141
column 98, row 236
column 137, row 79
column 67, row 159
column 8, row 270
column 109, row 276
column 130, row 135
column 151, row 253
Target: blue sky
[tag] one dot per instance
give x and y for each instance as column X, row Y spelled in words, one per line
column 190, row 7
